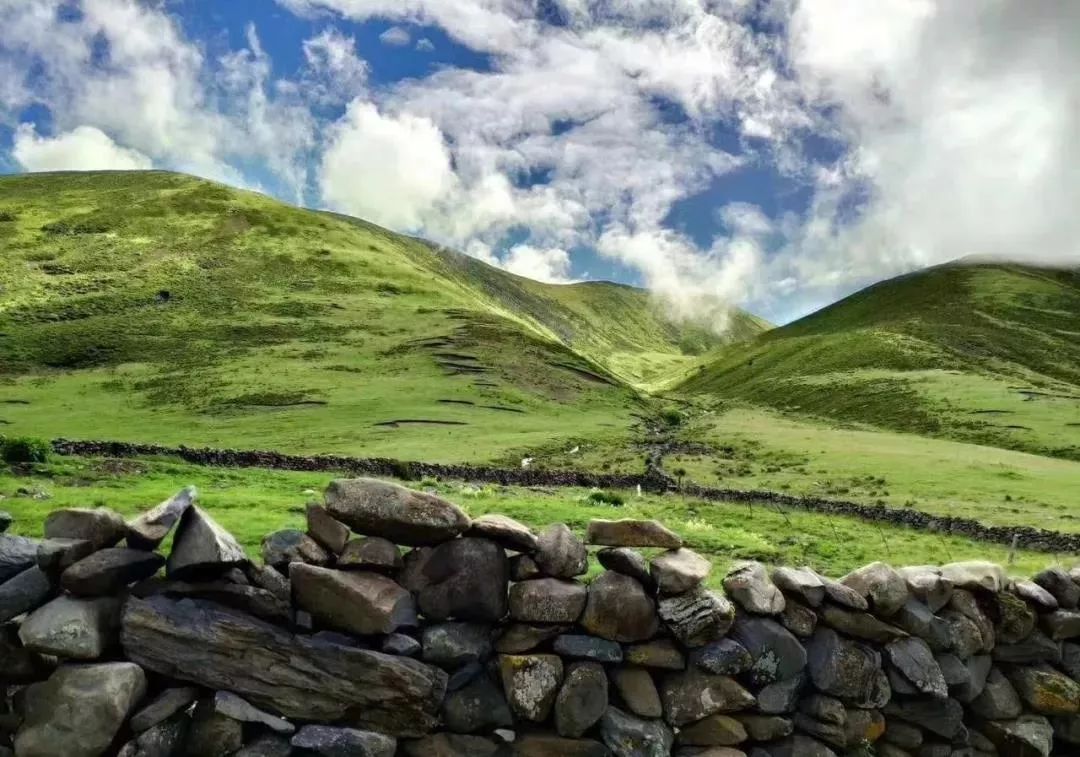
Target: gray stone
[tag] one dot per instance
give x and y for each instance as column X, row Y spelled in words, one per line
column 477, row 706
column 237, row 708
column 659, row 654
column 1031, row 592
column 1027, row 736
column 998, row 699
column 975, row 575
column 202, row 548
column 412, row 568
column 917, row 619
column 531, row 683
column 765, row 727
column 679, row 570
column 1064, row 589
column 842, row 595
column 404, row 516
column 328, row 741
column 549, row 745
column 371, row 553
column 328, row 531
column 968, row 605
column 913, row 658
column 777, row 655
column 205, row 644
column 582, row 699
column 79, row 710
column 77, row 629
column 798, row 745
column 780, row 696
column 466, row 579
column 1062, row 624
column 451, row 645
column 211, row 733
column 627, row 561
column 693, row 694
column 252, row 599
column 966, row 636
column 861, row 625
column 928, row 586
column 352, row 601
column 524, row 568
column 953, row 670
column 978, row 669
column 107, row 571
column 290, row 545
column 618, row 609
column 506, row 532
column 164, row 706
column 559, row 553
column 1069, row 658
column 449, row 745
column 1014, row 620
column 696, row 617
column 522, row 637
column 102, row 527
column 800, row 582
column 1046, row 690
column 267, row 745
column 722, row 657
column 591, row 648
column 748, row 584
column 1035, row 648
column 25, row 592
column 942, row 717
column 845, row 669
column 631, row 533
column 400, row 644
column 715, row 730
column 17, row 553
column 638, row 691
column 148, row 530
column 799, row 619
column 881, row 585
column 17, row 665
column 165, row 739
column 629, row 736
column 547, row 600
column 54, row 555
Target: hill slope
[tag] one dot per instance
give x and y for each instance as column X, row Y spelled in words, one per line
column 159, row 307
column 979, row 352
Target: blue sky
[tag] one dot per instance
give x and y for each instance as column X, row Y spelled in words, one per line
column 774, row 154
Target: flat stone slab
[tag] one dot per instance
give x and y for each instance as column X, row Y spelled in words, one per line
column 205, row 644
column 353, row 601
column 148, row 530
column 107, row 571
column 379, row 508
column 631, row 533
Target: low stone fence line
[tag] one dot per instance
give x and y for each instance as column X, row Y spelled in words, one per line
column 395, row 624
column 1023, row 537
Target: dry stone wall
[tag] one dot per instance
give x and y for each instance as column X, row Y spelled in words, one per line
column 397, row 625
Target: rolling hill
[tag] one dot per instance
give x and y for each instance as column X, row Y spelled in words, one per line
column 153, row 306
column 978, row 352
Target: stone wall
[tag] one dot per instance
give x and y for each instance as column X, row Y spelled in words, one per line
column 397, row 625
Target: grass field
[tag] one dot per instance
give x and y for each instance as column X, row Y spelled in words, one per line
column 184, row 311
column 981, row 353
column 252, row 503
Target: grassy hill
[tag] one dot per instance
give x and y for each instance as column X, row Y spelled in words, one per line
column 158, row 307
column 985, row 353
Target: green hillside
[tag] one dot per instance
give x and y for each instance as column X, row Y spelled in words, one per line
column 988, row 353
column 158, row 307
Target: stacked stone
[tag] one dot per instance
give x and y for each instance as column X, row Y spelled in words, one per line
column 396, row 625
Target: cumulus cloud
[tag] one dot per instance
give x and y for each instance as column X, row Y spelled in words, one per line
column 551, row 265
column 389, row 169
column 395, row 36
column 84, row 148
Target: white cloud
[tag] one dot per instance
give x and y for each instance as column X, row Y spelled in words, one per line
column 551, row 265
column 335, row 73
column 84, row 148
column 389, row 169
column 395, row 36
column 425, row 45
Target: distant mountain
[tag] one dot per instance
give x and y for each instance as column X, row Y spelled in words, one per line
column 154, row 306
column 977, row 351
